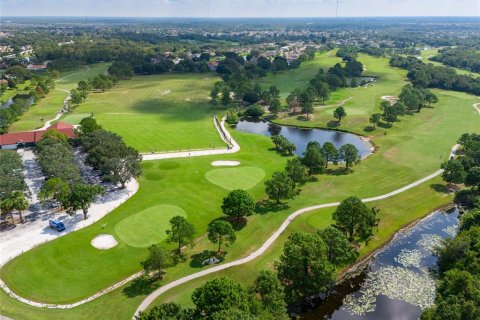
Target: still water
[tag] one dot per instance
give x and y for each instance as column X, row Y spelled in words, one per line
column 301, row 137
column 397, row 284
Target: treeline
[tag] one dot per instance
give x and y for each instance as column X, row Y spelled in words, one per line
column 430, row 76
column 64, row 182
column 108, row 153
column 351, row 52
column 458, row 283
column 465, row 169
column 459, row 57
column 12, row 185
column 40, row 85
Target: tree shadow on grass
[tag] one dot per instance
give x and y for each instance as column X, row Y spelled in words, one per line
column 265, row 206
column 440, row 188
column 337, row 171
column 237, row 224
column 368, row 129
column 384, row 125
column 141, row 286
column 199, row 258
column 333, row 124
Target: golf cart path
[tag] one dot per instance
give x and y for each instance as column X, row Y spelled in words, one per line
column 233, row 147
column 150, row 298
column 341, row 103
column 477, row 107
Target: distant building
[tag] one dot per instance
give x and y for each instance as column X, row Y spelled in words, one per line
column 15, row 140
column 37, row 67
column 212, row 66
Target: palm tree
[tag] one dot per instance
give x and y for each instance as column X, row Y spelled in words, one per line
column 20, row 202
column 7, row 207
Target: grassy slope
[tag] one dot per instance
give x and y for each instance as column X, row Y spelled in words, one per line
column 158, row 113
column 410, row 150
column 49, row 106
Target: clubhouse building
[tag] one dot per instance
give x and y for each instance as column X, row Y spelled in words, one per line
column 15, row 140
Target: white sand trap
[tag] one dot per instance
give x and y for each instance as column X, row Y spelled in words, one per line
column 104, row 242
column 164, row 92
column 225, row 163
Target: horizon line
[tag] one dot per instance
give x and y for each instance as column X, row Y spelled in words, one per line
column 235, row 17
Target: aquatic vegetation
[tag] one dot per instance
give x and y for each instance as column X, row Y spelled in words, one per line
column 409, row 258
column 430, row 241
column 397, row 283
column 451, row 230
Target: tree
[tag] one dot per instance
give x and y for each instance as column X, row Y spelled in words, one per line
column 219, row 232
column 255, row 111
column 280, row 186
column 164, row 311
column 330, row 153
column 296, row 171
column 472, row 177
column 122, row 167
column 158, row 260
column 353, row 68
column 339, row 113
column 19, row 202
column 349, row 153
column 181, row 232
column 7, row 206
column 306, row 102
column 313, row 157
column 375, row 119
column 390, row 114
column 339, row 251
column 324, row 91
column 274, row 106
column 303, row 267
column 89, row 124
column 454, row 172
column 271, row 294
column 354, row 218
column 82, row 196
column 219, row 294
column 57, row 189
column 430, row 98
column 226, row 99
column 11, row 174
column 238, row 203
column 274, row 91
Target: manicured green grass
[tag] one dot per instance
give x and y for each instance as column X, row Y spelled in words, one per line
column 74, row 118
column 236, row 178
column 412, row 149
column 287, row 81
column 362, row 101
column 49, row 106
column 159, row 113
column 148, row 226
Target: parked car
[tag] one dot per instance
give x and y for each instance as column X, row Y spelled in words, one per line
column 57, row 225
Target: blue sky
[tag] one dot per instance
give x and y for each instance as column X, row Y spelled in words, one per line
column 239, row 8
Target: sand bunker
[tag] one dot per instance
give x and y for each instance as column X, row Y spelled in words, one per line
column 390, row 99
column 164, row 92
column 103, row 242
column 225, row 163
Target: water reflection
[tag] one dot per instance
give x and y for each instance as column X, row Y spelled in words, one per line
column 302, row 136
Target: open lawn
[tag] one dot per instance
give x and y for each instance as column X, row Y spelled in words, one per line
column 49, row 106
column 159, row 112
column 10, row 93
column 412, row 149
column 287, row 81
column 359, row 103
column 236, row 178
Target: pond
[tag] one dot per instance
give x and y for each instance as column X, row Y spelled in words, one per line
column 302, row 136
column 397, row 283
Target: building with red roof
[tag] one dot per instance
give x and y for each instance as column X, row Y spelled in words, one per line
column 12, row 141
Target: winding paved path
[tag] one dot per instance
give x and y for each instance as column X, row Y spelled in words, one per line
column 232, row 147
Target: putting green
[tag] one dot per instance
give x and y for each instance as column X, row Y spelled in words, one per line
column 236, row 178
column 148, row 226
